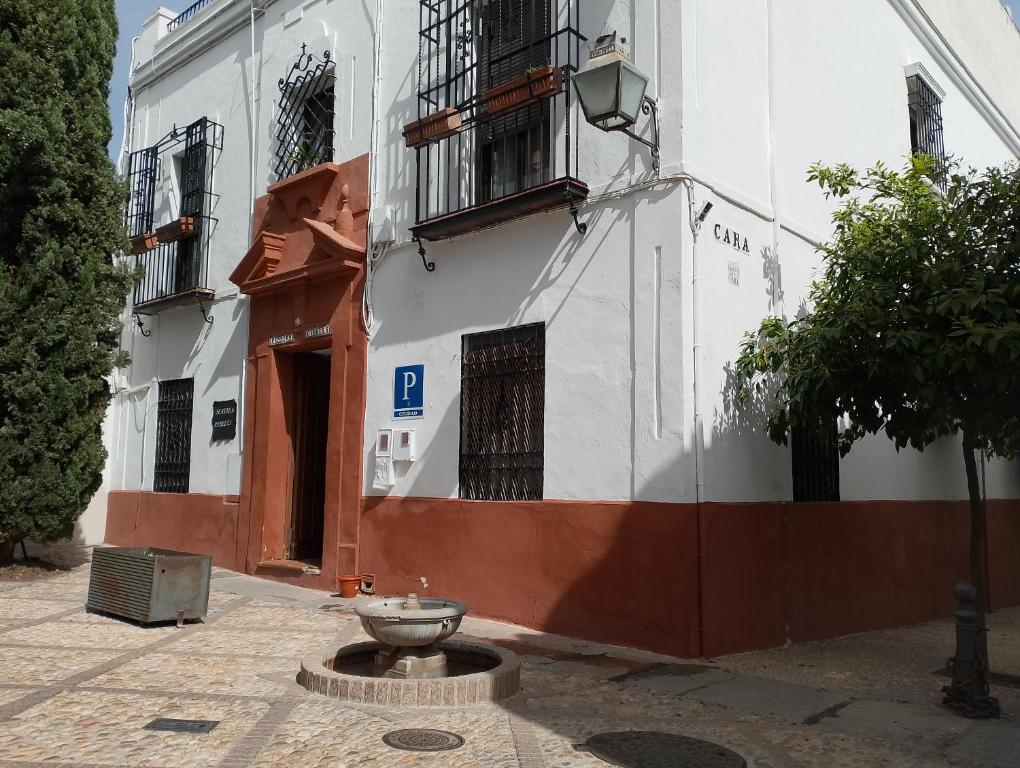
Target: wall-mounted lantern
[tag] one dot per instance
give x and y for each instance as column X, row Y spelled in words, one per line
column 612, row 92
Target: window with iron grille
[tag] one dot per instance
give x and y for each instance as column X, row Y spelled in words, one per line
column 815, row 462
column 175, row 264
column 502, row 414
column 173, row 436
column 925, row 109
column 509, row 137
column 304, row 120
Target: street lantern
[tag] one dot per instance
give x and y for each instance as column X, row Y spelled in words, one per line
column 612, row 92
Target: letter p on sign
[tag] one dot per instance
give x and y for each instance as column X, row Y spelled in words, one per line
column 409, row 392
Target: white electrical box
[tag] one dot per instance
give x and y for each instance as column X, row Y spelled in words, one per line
column 384, row 225
column 403, row 445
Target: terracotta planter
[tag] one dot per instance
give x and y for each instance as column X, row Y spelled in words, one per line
column 434, row 127
column 349, row 585
column 532, row 86
column 142, row 243
column 178, row 229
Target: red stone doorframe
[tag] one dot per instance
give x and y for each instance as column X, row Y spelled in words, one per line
column 305, row 275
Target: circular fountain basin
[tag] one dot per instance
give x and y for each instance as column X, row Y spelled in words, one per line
column 477, row 674
column 391, row 623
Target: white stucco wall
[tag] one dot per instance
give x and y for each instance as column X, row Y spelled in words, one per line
column 749, row 96
column 176, row 81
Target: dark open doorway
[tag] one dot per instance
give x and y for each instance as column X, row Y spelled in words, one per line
column 311, row 428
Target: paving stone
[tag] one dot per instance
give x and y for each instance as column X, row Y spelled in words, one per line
column 919, row 730
column 989, row 744
column 675, row 678
column 767, row 698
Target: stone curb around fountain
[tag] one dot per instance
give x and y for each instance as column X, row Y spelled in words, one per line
column 496, row 684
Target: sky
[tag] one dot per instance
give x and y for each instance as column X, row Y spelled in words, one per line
column 131, row 14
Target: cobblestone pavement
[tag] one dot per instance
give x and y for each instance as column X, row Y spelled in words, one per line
column 77, row 688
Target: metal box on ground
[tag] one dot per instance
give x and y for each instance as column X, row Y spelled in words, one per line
column 147, row 585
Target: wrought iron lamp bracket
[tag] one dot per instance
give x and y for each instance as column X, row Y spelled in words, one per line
column 430, row 266
column 141, row 325
column 650, row 108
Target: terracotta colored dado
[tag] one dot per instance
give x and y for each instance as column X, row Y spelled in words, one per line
column 305, row 274
column 189, row 522
column 685, row 579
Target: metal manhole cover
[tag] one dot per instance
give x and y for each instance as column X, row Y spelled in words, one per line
column 422, row 740
column 651, row 749
column 181, row 726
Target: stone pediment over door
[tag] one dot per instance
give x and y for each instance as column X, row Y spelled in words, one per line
column 309, row 227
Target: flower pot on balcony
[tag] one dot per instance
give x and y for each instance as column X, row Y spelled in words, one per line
column 143, row 242
column 532, row 86
column 438, row 125
column 178, row 229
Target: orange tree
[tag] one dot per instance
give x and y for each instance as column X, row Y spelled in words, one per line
column 912, row 328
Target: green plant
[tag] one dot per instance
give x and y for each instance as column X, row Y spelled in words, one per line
column 913, row 329
column 60, row 291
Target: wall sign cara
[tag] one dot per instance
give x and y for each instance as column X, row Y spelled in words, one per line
column 732, row 238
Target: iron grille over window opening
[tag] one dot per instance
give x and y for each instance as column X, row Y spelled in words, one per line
column 174, row 263
column 510, row 139
column 304, row 120
column 925, row 108
column 502, row 414
column 173, row 436
column 815, row 462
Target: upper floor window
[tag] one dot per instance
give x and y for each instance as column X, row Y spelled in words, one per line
column 924, row 102
column 496, row 130
column 305, row 114
column 169, row 214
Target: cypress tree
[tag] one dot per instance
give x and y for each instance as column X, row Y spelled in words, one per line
column 61, row 291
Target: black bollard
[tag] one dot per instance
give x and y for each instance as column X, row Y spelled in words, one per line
column 968, row 694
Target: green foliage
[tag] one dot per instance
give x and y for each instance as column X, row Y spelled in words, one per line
column 913, row 327
column 60, row 291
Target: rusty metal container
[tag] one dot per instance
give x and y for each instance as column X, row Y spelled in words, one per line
column 148, row 585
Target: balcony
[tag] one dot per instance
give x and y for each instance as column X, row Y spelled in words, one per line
column 186, row 15
column 495, row 137
column 176, row 271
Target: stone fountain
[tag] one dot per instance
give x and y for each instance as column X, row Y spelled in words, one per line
column 410, row 630
column 412, row 661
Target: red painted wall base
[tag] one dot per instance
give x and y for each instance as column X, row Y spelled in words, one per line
column 674, row 578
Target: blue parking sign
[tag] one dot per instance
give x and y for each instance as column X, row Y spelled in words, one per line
column 409, row 392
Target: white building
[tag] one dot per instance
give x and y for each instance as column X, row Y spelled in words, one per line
column 578, row 464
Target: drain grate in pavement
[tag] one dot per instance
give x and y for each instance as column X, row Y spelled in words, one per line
column 422, row 740
column 651, row 749
column 181, row 726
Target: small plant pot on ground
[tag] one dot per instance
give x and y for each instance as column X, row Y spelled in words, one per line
column 178, row 229
column 434, row 127
column 532, row 86
column 349, row 585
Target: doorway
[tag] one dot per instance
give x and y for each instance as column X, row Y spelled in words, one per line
column 309, row 435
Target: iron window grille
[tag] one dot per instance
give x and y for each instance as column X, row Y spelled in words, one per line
column 815, row 451
column 925, row 109
column 502, row 414
column 305, row 116
column 173, row 436
column 174, row 268
column 466, row 49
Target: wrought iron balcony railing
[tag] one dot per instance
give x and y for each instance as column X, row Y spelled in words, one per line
column 496, row 129
column 175, row 272
column 185, row 16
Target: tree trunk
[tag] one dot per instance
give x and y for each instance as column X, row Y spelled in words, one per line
column 6, row 552
column 978, row 567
